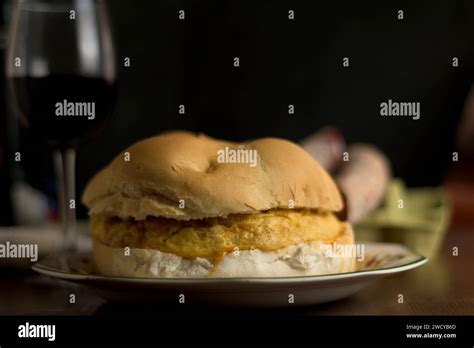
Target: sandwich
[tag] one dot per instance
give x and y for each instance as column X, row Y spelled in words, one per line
column 184, row 205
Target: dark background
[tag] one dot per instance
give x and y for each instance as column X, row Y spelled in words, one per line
column 284, row 62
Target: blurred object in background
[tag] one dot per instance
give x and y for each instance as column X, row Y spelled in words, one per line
column 382, row 210
column 326, row 146
column 6, row 215
column 459, row 181
column 30, row 206
column 465, row 134
column 459, row 188
column 362, row 171
column 415, row 217
column 363, row 179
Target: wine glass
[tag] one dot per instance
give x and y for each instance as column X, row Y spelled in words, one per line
column 60, row 65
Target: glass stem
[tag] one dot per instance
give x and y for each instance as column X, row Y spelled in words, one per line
column 68, row 159
column 58, row 171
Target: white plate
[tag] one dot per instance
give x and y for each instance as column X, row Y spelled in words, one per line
column 381, row 259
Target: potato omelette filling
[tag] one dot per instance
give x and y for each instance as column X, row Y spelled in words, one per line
column 212, row 237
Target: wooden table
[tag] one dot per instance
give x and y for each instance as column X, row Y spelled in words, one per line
column 444, row 286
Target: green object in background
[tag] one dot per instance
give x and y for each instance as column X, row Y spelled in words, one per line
column 415, row 217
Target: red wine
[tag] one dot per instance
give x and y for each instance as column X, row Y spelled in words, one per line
column 64, row 109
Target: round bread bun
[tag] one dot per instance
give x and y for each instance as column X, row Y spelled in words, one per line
column 156, row 176
column 295, row 260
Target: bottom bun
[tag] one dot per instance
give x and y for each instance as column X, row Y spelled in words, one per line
column 304, row 259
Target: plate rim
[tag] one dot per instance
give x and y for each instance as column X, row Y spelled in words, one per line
column 420, row 260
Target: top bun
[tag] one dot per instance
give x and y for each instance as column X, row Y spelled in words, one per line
column 158, row 175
